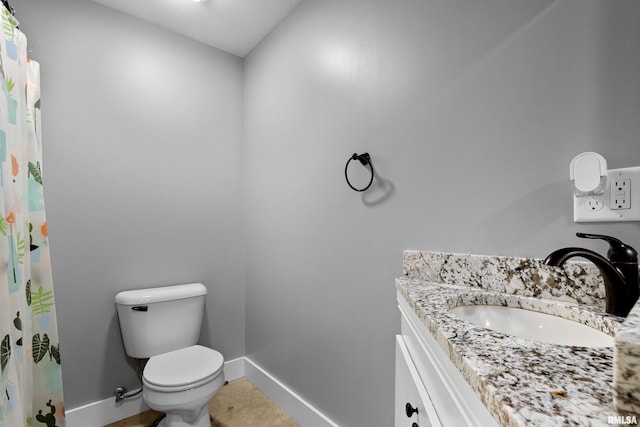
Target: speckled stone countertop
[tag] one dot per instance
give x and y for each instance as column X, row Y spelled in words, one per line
column 523, row 382
column 626, row 364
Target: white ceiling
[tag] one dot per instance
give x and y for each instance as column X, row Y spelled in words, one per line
column 235, row 26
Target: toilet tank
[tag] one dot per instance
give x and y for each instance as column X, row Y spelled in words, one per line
column 159, row 320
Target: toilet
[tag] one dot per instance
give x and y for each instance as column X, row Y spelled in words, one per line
column 163, row 325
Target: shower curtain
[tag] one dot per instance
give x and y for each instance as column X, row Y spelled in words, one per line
column 30, row 375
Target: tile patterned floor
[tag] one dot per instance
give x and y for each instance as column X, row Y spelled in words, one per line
column 237, row 404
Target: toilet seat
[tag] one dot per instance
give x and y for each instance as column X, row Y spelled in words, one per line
column 182, row 369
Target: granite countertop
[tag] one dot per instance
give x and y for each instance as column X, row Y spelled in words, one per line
column 522, row 382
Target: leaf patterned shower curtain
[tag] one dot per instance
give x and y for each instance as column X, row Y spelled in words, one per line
column 30, row 376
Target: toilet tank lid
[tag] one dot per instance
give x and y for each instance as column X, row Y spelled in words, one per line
column 164, row 293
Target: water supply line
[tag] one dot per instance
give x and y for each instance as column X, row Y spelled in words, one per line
column 121, row 392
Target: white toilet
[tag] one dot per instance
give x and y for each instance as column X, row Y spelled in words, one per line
column 163, row 324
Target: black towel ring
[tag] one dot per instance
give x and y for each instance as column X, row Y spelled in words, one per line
column 365, row 160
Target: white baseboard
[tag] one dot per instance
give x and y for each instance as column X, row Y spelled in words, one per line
column 107, row 411
column 294, row 405
column 103, row 412
column 234, row 369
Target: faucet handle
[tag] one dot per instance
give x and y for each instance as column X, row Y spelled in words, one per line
column 618, row 251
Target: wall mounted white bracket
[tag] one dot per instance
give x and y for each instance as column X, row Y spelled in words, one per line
column 599, row 198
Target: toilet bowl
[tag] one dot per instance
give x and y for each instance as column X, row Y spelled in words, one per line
column 180, row 383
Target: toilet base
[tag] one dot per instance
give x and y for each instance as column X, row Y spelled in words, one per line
column 176, row 420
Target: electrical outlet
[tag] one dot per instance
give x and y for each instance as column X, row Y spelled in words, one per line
column 594, row 204
column 621, row 194
column 621, row 201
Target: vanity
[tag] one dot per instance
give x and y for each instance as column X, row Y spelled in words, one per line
column 459, row 373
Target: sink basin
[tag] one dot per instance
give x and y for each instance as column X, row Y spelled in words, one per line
column 533, row 325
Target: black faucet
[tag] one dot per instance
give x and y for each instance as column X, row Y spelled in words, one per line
column 619, row 272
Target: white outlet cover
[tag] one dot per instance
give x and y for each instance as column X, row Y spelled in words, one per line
column 584, row 212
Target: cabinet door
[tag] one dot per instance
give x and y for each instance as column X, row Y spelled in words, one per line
column 453, row 398
column 411, row 391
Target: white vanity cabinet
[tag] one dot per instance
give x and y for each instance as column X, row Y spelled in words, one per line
column 413, row 406
column 427, row 380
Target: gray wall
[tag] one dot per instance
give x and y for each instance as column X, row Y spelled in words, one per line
column 471, row 111
column 142, row 168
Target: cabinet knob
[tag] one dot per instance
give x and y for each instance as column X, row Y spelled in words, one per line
column 415, row 425
column 410, row 410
